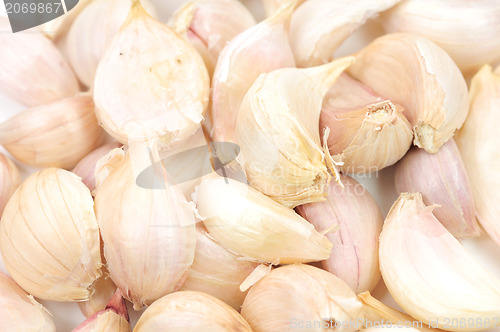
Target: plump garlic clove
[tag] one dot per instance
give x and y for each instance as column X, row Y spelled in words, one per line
column 147, row 227
column 49, row 238
column 429, row 273
column 295, row 295
column 441, row 179
column 104, row 288
column 315, row 36
column 9, row 180
column 259, row 49
column 57, row 28
column 278, row 132
column 414, row 72
column 210, row 24
column 150, row 84
column 41, row 77
column 191, row 311
column 354, row 257
column 479, row 149
column 54, row 135
column 250, row 224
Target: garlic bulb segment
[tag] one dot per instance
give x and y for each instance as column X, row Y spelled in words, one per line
column 217, row 271
column 40, row 76
column 49, row 238
column 150, row 85
column 209, row 25
column 189, row 311
column 479, row 149
column 415, row 73
column 250, row 224
column 259, row 49
column 278, row 132
column 19, row 311
column 58, row 28
column 59, row 134
column 467, row 31
column 319, row 27
column 103, row 291
column 354, row 257
column 446, row 185
column 301, row 296
column 106, row 164
column 430, row 274
column 10, row 178
column 147, row 226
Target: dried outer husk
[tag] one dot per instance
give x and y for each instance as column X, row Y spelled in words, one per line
column 103, row 291
column 10, row 178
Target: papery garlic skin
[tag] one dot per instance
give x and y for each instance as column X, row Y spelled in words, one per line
column 49, row 238
column 32, row 70
column 354, row 257
column 150, row 83
column 480, row 151
column 250, row 224
column 104, row 288
column 442, row 180
column 429, row 273
column 10, row 178
column 414, row 72
column 300, row 294
column 278, row 132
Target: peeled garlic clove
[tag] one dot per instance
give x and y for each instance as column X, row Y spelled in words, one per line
column 477, row 145
column 41, row 77
column 191, row 311
column 104, row 288
column 354, row 257
column 54, row 135
column 278, row 132
column 250, row 224
column 441, row 179
column 429, row 273
column 315, row 36
column 295, row 295
column 259, row 49
column 9, row 180
column 158, row 91
column 147, row 227
column 114, row 318
column 414, row 72
column 210, row 24
column 49, row 238
column 217, row 271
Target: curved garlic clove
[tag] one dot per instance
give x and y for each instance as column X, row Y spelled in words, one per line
column 278, row 132
column 467, row 31
column 414, row 72
column 354, row 257
column 294, row 295
column 429, row 273
column 250, row 224
column 319, row 27
column 10, row 178
column 441, row 179
column 49, row 238
column 55, row 135
column 259, row 49
column 57, row 28
column 210, row 24
column 43, row 75
column 477, row 145
column 147, row 227
column 158, row 91
column 105, row 165
column 103, row 291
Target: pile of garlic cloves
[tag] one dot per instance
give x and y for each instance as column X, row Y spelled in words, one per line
column 220, row 170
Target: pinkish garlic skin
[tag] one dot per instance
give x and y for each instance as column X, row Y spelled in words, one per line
column 354, row 257
column 442, row 180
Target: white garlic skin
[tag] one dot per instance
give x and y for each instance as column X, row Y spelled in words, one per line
column 10, row 178
column 105, row 321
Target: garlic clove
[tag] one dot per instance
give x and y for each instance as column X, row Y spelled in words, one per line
column 477, row 145
column 54, row 135
column 105, row 165
column 429, row 273
column 250, row 224
column 104, row 288
column 300, row 296
column 57, row 28
column 150, row 83
column 271, row 7
column 189, row 311
column 259, row 49
column 414, row 72
column 314, row 35
column 354, row 257
column 10, row 178
column 446, row 185
column 278, row 132
column 49, row 238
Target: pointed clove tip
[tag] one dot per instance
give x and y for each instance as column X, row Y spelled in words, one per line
column 118, row 305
